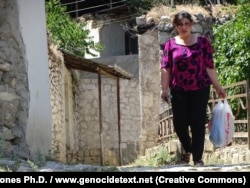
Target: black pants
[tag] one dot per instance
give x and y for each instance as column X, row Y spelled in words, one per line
column 190, row 110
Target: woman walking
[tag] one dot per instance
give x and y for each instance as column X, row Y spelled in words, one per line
column 187, row 72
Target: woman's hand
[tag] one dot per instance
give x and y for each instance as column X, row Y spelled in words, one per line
column 221, row 93
column 165, row 95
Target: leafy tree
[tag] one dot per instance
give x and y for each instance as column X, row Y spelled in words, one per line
column 70, row 35
column 232, row 47
column 232, row 53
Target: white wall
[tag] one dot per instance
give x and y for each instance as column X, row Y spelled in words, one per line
column 33, row 31
column 94, row 34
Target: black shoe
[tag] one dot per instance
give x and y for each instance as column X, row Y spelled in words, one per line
column 185, row 158
column 199, row 163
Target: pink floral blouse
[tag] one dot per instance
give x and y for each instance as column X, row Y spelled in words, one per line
column 188, row 64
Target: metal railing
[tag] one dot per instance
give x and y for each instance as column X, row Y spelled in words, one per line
column 80, row 6
column 238, row 95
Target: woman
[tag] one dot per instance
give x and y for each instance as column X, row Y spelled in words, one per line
column 187, row 71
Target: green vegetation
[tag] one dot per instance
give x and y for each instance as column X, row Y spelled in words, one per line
column 68, row 34
column 160, row 158
column 232, row 53
column 232, row 47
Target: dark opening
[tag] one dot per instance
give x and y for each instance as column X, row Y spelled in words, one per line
column 131, row 44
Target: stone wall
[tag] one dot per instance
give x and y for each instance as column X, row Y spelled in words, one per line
column 91, row 148
column 25, row 118
column 57, row 79
column 76, row 129
column 66, row 109
column 202, row 26
column 14, row 95
column 235, row 154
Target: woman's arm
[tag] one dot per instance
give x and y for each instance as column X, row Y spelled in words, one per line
column 214, row 79
column 165, row 79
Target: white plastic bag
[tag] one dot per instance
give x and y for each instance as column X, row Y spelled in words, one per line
column 221, row 124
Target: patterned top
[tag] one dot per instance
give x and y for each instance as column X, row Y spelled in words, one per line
column 188, row 64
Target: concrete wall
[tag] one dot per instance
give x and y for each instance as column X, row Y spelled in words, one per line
column 35, row 39
column 149, row 76
column 111, row 35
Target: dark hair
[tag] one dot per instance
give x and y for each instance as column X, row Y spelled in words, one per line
column 180, row 15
